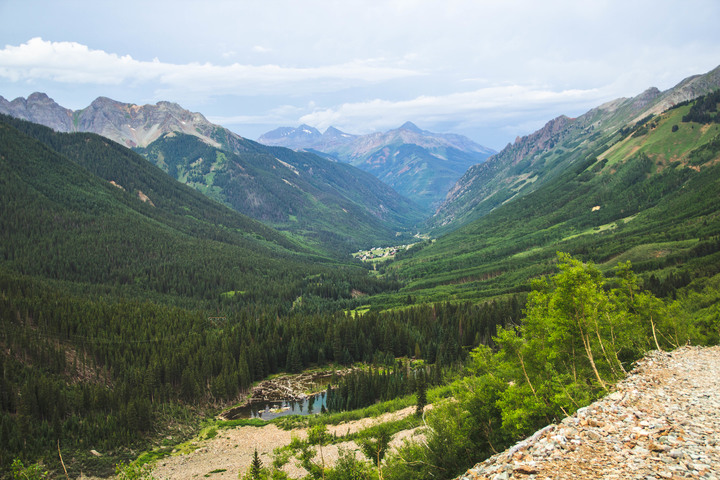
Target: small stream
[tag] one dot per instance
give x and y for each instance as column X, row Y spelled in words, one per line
column 267, row 410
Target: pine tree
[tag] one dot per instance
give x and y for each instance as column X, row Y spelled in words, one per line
column 256, row 466
column 294, row 361
column 421, row 391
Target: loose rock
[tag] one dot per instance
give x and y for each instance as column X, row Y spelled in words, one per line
column 662, row 421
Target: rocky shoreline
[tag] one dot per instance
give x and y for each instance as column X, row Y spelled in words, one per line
column 661, row 422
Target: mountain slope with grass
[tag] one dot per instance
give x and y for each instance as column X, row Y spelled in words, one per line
column 532, row 161
column 649, row 196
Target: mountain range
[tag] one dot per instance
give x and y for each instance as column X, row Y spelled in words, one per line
column 418, row 164
column 533, row 160
column 326, row 202
column 131, row 303
column 617, row 183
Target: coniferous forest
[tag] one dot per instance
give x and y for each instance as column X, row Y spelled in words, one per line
column 132, row 307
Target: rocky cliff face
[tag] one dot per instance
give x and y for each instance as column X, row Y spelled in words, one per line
column 128, row 124
column 138, row 126
column 662, row 421
column 39, row 108
column 688, row 89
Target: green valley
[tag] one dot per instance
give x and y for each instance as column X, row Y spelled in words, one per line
column 140, row 299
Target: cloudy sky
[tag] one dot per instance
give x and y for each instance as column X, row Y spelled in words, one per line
column 491, row 70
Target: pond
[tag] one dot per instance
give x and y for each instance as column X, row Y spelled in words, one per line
column 267, row 410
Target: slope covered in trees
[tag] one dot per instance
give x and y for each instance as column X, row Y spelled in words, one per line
column 331, row 204
column 117, row 314
column 112, row 306
column 649, row 196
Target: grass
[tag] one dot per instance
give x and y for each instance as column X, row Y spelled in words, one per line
column 360, row 311
column 298, row 421
column 232, row 293
column 661, row 143
column 598, row 229
column 242, row 422
column 650, row 251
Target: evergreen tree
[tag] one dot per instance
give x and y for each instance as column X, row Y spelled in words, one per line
column 256, row 466
column 421, row 393
column 294, row 360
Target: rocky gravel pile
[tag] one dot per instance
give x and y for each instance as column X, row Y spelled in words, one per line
column 661, row 422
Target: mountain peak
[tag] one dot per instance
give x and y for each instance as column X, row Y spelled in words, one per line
column 39, row 108
column 101, row 102
column 333, row 132
column 39, row 97
column 411, row 127
column 308, row 130
column 417, row 163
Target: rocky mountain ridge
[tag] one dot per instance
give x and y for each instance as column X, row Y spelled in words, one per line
column 305, row 136
column 128, row 124
column 534, row 159
column 322, row 200
column 419, row 164
column 662, row 421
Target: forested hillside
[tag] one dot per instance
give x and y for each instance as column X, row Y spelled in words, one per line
column 131, row 304
column 649, row 196
column 333, row 205
column 105, row 283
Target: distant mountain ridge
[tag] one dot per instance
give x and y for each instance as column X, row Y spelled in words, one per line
column 532, row 160
column 326, row 202
column 419, row 164
column 127, row 124
column 329, row 202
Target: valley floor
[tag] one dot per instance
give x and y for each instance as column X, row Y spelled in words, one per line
column 662, row 421
column 232, row 449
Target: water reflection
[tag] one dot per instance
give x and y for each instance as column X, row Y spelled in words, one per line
column 270, row 410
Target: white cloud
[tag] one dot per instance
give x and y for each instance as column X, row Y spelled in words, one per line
column 282, row 115
column 483, row 106
column 70, row 62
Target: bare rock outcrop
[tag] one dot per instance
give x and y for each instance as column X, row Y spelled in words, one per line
column 662, row 421
column 39, row 108
column 125, row 123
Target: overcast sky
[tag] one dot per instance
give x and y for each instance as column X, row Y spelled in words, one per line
column 491, row 70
